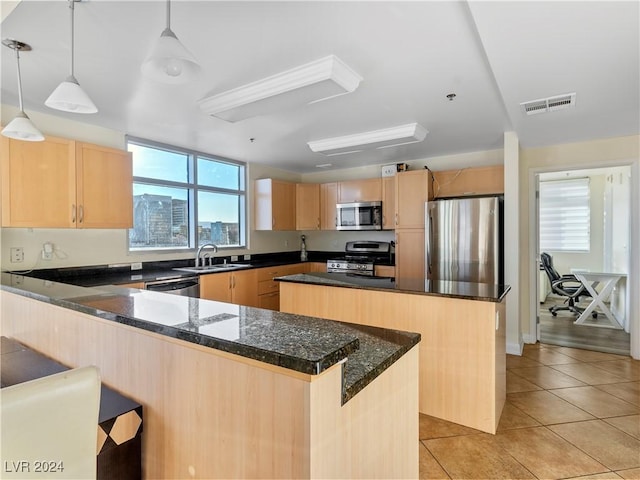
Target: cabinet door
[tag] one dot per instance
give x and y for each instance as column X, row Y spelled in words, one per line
column 412, row 192
column 307, row 206
column 275, row 204
column 469, row 181
column 270, row 301
column 318, row 267
column 244, row 288
column 384, row 271
column 368, row 190
column 388, row 203
column 104, row 187
column 216, row 286
column 410, row 254
column 139, row 285
column 328, row 200
column 38, row 183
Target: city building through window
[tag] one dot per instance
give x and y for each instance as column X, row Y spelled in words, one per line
column 183, row 199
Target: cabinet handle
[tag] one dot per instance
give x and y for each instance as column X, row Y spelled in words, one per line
column 396, row 218
column 73, row 213
column 233, row 281
column 318, row 224
column 81, row 216
column 230, row 287
column 273, row 221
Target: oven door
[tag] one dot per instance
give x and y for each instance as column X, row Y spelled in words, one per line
column 359, row 216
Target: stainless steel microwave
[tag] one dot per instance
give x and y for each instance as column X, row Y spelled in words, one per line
column 359, row 216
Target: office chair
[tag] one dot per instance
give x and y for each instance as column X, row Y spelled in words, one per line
column 50, row 426
column 564, row 285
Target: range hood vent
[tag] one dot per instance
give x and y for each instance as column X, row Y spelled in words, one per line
column 550, row 104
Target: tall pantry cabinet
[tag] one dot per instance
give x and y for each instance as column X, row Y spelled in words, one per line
column 412, row 190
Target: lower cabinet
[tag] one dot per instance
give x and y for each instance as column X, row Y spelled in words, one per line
column 269, row 289
column 384, row 271
column 231, row 287
column 410, row 253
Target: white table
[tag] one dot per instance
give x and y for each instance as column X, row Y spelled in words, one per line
column 591, row 280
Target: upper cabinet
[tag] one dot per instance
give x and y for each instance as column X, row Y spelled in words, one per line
column 469, row 181
column 368, row 190
column 60, row 183
column 307, row 206
column 328, row 200
column 413, row 190
column 275, row 204
column 388, row 203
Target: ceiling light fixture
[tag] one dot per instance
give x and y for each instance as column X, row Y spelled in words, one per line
column 20, row 127
column 69, row 96
column 312, row 82
column 169, row 60
column 384, row 138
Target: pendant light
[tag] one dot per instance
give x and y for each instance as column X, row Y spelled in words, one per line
column 69, row 96
column 20, row 127
column 169, row 61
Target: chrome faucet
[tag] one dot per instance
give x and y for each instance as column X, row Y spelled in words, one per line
column 215, row 250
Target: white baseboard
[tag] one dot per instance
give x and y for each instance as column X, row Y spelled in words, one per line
column 529, row 338
column 515, row 348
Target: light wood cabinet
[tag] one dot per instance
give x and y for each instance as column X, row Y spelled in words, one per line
column 269, row 289
column 318, row 267
column 275, row 204
column 384, row 271
column 388, row 203
column 239, row 287
column 367, row 190
column 413, row 190
column 307, row 206
column 328, row 200
column 139, row 285
column 60, row 183
column 410, row 253
column 469, row 181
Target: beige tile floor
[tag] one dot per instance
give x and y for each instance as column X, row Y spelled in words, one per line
column 569, row 414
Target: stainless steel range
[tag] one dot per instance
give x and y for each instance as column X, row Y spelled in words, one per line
column 360, row 258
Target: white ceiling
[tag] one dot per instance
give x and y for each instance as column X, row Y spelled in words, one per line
column 492, row 55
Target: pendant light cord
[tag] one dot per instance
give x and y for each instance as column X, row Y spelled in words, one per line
column 71, row 7
column 17, row 48
column 169, row 14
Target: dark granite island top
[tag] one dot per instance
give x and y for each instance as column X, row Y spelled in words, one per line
column 305, row 344
column 464, row 290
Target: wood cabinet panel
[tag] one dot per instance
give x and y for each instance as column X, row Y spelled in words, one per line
column 328, row 200
column 367, row 190
column 307, row 206
column 318, row 267
column 413, row 190
column 270, row 301
column 139, row 285
column 410, row 253
column 275, row 204
column 216, row 286
column 61, row 183
column 384, row 271
column 38, row 183
column 268, row 293
column 469, row 181
column 104, row 187
column 388, row 203
column 244, row 288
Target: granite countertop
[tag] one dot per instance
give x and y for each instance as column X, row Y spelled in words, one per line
column 465, row 290
column 304, row 344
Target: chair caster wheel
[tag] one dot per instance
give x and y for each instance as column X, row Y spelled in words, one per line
column 594, row 314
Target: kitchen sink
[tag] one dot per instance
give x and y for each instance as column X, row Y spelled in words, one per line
column 222, row 267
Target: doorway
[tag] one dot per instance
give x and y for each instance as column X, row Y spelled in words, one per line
column 598, row 240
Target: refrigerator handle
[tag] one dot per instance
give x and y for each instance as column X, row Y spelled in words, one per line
column 428, row 231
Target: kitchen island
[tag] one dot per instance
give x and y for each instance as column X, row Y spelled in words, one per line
column 232, row 391
column 462, row 364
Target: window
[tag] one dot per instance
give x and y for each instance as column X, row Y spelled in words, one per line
column 565, row 215
column 183, row 199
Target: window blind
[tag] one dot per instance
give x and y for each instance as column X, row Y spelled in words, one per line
column 565, row 215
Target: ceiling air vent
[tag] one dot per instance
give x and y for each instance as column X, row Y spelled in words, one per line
column 550, row 104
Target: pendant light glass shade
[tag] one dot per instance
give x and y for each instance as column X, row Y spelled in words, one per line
column 20, row 128
column 169, row 61
column 69, row 95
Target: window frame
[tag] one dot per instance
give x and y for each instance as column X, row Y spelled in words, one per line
column 583, row 182
column 192, row 187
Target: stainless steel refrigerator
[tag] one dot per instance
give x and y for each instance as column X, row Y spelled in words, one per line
column 463, row 240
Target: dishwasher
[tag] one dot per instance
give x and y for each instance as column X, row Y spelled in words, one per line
column 186, row 287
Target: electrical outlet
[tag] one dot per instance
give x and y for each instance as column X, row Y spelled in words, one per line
column 247, row 257
column 234, row 258
column 17, row 254
column 47, row 251
column 136, row 266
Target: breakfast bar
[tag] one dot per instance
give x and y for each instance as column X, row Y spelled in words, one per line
column 231, row 391
column 462, row 364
